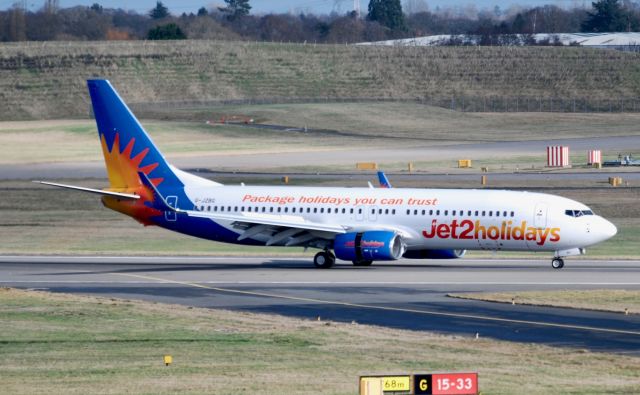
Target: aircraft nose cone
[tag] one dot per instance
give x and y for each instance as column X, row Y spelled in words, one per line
column 606, row 229
column 610, row 229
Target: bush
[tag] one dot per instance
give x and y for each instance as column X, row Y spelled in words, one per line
column 170, row 31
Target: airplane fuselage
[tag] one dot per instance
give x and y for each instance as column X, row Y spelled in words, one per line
column 426, row 218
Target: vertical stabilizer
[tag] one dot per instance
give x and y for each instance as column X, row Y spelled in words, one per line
column 127, row 148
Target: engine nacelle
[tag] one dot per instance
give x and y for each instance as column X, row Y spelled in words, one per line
column 375, row 245
column 434, row 254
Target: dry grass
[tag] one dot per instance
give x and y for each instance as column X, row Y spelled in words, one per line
column 47, row 80
column 56, row 343
column 349, row 124
column 615, row 300
column 75, row 140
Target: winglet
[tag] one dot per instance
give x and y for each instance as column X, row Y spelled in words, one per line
column 383, row 180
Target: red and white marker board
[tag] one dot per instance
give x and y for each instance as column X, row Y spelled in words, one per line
column 557, row 156
column 594, row 156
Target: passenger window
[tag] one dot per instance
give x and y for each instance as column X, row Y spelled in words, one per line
column 380, row 211
column 393, row 211
column 293, row 209
column 321, row 210
column 351, row 211
column 512, row 213
column 408, row 212
column 453, row 212
column 446, row 212
column 476, row 213
column 386, row 211
column 504, row 214
column 415, row 212
column 483, row 213
column 469, row 213
column 264, row 209
column 424, row 212
column 279, row 209
column 221, row 208
column 315, row 209
column 430, row 212
column 437, row 212
column 286, row 209
column 344, row 210
column 308, row 209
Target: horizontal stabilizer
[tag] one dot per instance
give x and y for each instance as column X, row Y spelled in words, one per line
column 91, row 190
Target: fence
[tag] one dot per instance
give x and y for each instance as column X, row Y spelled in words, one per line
column 455, row 103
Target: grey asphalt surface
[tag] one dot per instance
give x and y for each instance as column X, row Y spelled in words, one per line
column 405, row 294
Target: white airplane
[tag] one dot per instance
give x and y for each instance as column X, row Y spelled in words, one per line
column 361, row 225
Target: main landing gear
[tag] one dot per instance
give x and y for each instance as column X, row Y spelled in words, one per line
column 324, row 260
column 557, row 263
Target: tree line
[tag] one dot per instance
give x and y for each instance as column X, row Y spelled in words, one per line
column 384, row 19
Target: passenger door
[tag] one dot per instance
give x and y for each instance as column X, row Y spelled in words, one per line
column 540, row 216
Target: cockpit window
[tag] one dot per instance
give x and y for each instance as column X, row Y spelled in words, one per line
column 578, row 213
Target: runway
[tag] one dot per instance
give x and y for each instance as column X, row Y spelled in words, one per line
column 405, row 294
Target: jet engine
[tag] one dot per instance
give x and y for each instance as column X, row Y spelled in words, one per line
column 375, row 245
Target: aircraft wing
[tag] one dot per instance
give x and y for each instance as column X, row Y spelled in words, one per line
column 290, row 221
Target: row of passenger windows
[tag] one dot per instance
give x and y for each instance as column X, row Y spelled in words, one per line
column 300, row 210
column 477, row 213
column 331, row 210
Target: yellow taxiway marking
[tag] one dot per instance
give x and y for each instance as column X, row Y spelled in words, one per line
column 383, row 308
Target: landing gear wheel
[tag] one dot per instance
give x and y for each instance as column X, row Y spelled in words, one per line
column 557, row 263
column 362, row 263
column 324, row 260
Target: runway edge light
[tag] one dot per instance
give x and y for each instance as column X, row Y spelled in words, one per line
column 168, row 359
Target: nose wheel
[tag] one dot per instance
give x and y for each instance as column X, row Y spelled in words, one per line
column 557, row 263
column 324, row 260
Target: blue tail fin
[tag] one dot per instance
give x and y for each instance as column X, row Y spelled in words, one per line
column 127, row 148
column 383, row 180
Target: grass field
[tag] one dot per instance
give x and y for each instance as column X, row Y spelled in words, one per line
column 615, row 300
column 346, row 125
column 56, row 343
column 47, row 80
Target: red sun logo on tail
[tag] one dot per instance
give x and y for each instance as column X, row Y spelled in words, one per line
column 122, row 169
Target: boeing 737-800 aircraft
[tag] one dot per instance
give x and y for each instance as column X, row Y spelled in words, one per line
column 361, row 225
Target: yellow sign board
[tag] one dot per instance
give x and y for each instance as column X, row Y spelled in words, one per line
column 381, row 385
column 396, row 383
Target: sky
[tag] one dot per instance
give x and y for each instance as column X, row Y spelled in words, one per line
column 177, row 7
